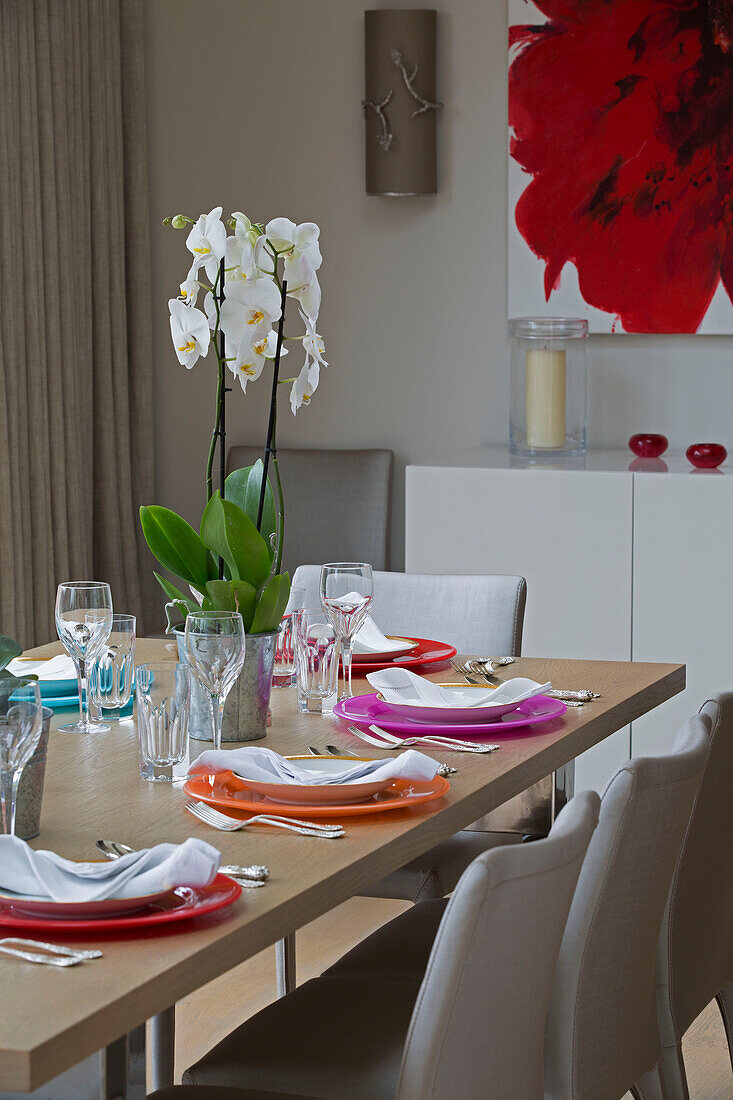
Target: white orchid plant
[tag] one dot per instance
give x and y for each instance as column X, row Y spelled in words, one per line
column 246, row 277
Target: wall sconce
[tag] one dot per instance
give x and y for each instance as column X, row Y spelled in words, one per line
column 399, row 105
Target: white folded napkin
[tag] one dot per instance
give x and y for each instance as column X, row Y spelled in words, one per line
column 149, row 871
column 400, row 686
column 56, row 668
column 266, row 766
column 370, row 639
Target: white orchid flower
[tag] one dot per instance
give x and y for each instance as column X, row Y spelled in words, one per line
column 207, row 243
column 253, row 351
column 254, row 303
column 189, row 289
column 301, row 255
column 190, row 332
column 295, row 240
column 243, row 228
column 239, row 260
column 312, row 342
column 309, row 297
column 305, row 385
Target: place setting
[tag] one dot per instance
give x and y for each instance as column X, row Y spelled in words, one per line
column 407, row 706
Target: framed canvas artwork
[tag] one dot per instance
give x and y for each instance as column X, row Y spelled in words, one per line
column 621, row 163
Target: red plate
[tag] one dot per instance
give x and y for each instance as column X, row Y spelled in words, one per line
column 185, row 903
column 228, row 792
column 428, row 652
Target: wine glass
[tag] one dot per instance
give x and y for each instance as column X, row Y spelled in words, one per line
column 347, row 589
column 215, row 645
column 21, row 715
column 84, row 624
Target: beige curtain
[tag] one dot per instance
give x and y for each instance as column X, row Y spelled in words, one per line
column 75, row 330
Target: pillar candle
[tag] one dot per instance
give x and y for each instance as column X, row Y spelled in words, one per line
column 545, row 398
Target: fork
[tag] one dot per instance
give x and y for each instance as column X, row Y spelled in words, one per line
column 213, row 817
column 470, row 672
column 397, row 742
column 475, row 672
column 56, row 955
column 333, row 750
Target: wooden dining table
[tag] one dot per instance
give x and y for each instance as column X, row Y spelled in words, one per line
column 87, row 1020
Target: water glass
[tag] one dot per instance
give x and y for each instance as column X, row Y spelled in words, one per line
column 284, row 669
column 110, row 674
column 215, row 647
column 347, row 589
column 83, row 623
column 317, row 650
column 163, row 697
column 20, row 731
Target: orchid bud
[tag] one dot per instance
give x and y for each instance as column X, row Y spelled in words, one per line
column 179, row 221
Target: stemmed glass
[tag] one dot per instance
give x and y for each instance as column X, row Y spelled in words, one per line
column 347, row 589
column 84, row 623
column 215, row 645
column 21, row 715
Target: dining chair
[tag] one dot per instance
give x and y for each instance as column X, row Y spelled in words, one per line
column 602, row 1035
column 476, row 614
column 338, row 503
column 695, row 952
column 471, row 1026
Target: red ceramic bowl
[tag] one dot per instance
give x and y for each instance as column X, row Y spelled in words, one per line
column 706, row 456
column 648, row 445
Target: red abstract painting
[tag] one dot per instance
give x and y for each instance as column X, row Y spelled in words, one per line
column 621, row 116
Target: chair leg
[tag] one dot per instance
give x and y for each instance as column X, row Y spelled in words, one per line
column 725, row 1004
column 285, row 965
column 651, row 1086
column 673, row 1070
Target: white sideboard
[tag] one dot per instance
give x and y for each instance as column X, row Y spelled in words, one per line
column 620, row 563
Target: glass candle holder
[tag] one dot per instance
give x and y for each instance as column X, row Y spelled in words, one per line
column 548, row 386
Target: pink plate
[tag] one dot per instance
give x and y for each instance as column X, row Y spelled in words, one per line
column 364, row 710
column 184, row 903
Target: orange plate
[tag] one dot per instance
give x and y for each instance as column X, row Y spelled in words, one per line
column 226, row 791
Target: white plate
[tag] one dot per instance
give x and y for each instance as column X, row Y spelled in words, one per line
column 80, row 910
column 424, row 712
column 388, row 654
column 331, row 794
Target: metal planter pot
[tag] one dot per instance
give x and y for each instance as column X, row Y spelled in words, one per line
column 248, row 703
column 30, row 788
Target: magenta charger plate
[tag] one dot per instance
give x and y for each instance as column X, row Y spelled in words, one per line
column 364, row 710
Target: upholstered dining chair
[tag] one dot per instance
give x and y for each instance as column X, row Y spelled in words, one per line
column 602, row 1036
column 337, row 503
column 695, row 953
column 476, row 614
column 470, row 1027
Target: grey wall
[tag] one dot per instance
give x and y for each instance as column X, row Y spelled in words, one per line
column 256, row 105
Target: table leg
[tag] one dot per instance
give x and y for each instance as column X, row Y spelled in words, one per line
column 563, row 787
column 285, row 965
column 163, row 1047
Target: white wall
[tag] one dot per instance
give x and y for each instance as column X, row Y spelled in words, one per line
column 255, row 104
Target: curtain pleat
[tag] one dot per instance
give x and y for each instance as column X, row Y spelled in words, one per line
column 75, row 323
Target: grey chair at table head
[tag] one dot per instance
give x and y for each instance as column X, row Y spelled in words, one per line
column 476, row 614
column 695, row 953
column 337, row 503
column 472, row 1028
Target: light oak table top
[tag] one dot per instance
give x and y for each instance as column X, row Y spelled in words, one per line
column 54, row 1018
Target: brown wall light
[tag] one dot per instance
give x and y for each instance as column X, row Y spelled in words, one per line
column 399, row 104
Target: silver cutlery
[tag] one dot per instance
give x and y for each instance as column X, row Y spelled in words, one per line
column 333, row 750
column 213, row 817
column 253, row 876
column 53, row 954
column 469, row 671
column 384, row 740
column 475, row 672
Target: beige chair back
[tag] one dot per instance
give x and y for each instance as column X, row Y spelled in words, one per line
column 602, row 1035
column 477, row 1026
column 337, row 503
column 695, row 956
column 476, row 614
